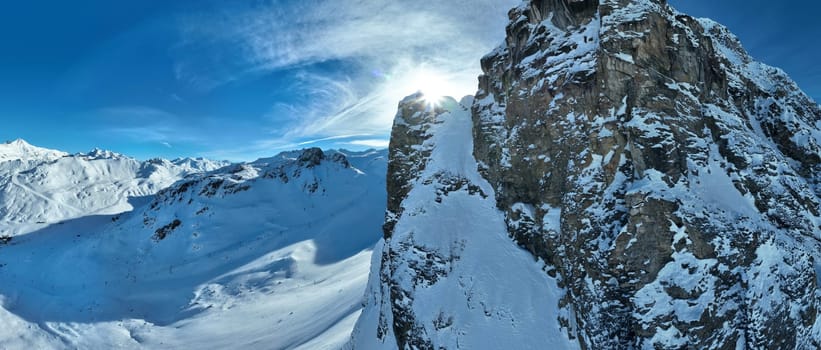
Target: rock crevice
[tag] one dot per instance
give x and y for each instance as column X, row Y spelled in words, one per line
column 667, row 180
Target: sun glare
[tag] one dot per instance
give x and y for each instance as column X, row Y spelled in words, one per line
column 432, row 86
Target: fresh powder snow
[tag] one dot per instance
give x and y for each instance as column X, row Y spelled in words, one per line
column 272, row 254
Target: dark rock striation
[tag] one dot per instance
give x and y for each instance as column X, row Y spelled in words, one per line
column 669, row 178
column 668, row 181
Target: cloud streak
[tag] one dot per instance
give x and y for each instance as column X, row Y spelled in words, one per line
column 144, row 124
column 376, row 50
column 375, row 143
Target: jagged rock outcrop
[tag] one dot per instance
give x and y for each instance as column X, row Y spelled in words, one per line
column 643, row 153
column 442, row 278
column 668, row 181
column 407, row 151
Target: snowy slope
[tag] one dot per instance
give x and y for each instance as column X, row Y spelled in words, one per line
column 449, row 270
column 39, row 187
column 22, row 151
column 272, row 254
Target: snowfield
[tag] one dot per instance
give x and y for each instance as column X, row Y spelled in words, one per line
column 272, row 254
column 39, row 186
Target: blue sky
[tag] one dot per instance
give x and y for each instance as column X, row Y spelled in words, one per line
column 249, row 78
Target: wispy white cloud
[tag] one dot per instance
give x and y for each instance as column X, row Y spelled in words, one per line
column 384, row 46
column 144, row 124
column 375, row 143
column 331, row 138
column 134, row 114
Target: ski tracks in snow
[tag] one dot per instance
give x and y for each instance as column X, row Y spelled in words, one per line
column 17, row 182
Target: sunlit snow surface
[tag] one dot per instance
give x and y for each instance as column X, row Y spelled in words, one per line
column 493, row 293
column 268, row 255
column 39, row 186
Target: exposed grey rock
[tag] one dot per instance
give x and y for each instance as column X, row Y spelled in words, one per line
column 613, row 114
column 669, row 181
column 311, row 157
column 407, row 153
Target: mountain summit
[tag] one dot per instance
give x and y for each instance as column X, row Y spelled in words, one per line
column 22, row 151
column 662, row 184
column 39, row 186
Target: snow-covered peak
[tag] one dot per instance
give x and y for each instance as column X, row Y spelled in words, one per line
column 21, row 150
column 18, row 142
column 310, row 170
column 98, row 153
column 201, row 164
column 447, row 276
column 310, row 157
column 39, row 187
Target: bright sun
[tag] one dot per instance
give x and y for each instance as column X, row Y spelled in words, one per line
column 432, row 85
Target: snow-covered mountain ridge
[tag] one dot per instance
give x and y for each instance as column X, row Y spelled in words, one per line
column 271, row 254
column 23, row 151
column 39, row 186
column 666, row 183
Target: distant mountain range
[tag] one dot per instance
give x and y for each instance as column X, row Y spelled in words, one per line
column 106, row 252
column 41, row 186
column 626, row 177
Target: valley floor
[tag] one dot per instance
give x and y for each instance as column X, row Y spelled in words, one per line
column 60, row 290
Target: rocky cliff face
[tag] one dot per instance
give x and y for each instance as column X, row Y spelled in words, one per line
column 644, row 154
column 667, row 180
column 444, row 274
